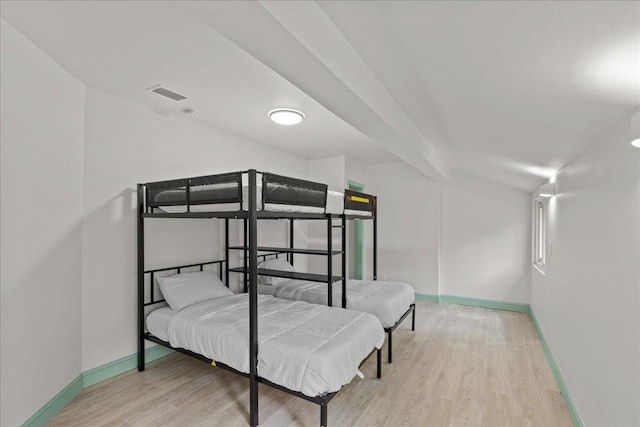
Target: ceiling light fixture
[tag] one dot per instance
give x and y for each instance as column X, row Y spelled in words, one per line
column 286, row 116
column 636, row 142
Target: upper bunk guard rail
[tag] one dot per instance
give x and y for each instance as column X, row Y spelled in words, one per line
column 227, row 188
column 356, row 201
column 285, row 190
column 224, row 188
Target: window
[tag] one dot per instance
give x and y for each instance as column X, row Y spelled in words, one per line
column 539, row 233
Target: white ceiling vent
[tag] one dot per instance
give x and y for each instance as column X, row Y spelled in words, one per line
column 168, row 93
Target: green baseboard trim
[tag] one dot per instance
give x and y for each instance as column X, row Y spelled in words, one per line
column 111, row 369
column 556, row 373
column 55, row 405
column 435, row 299
column 474, row 302
column 485, row 303
column 89, row 378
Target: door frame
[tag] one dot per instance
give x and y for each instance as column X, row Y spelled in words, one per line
column 359, row 261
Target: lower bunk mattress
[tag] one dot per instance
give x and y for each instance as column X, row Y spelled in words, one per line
column 308, row 348
column 388, row 301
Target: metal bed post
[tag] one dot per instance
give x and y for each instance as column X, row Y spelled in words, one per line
column 375, row 247
column 290, row 255
column 141, row 278
column 226, row 251
column 344, row 262
column 246, row 253
column 413, row 318
column 329, row 262
column 253, row 301
column 323, row 414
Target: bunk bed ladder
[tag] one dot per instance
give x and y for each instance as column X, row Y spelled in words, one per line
column 329, row 262
column 375, row 247
column 290, row 255
column 344, row 261
column 226, row 252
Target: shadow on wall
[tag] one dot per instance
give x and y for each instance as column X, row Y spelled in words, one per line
column 110, row 268
column 486, row 256
column 46, row 301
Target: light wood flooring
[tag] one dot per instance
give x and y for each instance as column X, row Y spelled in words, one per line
column 462, row 366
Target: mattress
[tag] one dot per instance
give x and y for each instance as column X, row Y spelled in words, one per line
column 168, row 199
column 388, row 301
column 158, row 322
column 308, row 348
column 356, row 212
column 335, row 202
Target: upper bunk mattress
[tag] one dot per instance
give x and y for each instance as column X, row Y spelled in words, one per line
column 388, row 301
column 312, row 349
column 168, row 198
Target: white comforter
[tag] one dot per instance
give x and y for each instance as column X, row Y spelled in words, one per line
column 308, row 348
column 388, row 301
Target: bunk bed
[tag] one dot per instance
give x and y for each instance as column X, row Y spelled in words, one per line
column 247, row 196
column 390, row 302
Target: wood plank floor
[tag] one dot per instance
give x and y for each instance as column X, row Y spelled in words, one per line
column 462, row 366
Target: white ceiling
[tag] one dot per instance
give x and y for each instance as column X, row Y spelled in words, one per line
column 126, row 47
column 510, row 91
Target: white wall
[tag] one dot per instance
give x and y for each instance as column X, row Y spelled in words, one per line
column 486, row 240
column 42, row 126
column 408, row 223
column 469, row 237
column 127, row 143
column 354, row 171
column 329, row 171
column 588, row 301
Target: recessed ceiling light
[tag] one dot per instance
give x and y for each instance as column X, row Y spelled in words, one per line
column 636, row 142
column 286, row 116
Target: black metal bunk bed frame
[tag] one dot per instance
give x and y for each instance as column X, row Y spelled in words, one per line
column 312, row 194
column 356, row 202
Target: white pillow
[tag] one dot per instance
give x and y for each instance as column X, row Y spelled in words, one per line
column 274, row 264
column 185, row 289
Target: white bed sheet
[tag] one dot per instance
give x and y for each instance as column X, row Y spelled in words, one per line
column 388, row 301
column 356, row 212
column 308, row 348
column 158, row 322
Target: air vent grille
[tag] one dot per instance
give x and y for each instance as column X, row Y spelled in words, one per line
column 168, row 93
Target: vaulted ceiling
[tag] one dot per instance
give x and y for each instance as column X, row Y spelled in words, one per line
column 510, row 91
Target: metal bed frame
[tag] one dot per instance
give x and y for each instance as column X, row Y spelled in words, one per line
column 311, row 194
column 360, row 201
column 354, row 201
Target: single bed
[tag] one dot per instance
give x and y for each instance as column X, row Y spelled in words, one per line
column 306, row 348
column 390, row 302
